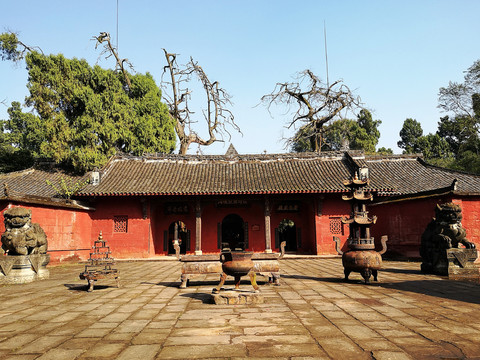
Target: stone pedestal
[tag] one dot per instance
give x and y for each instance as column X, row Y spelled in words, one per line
column 461, row 264
column 194, row 265
column 22, row 269
column 238, row 297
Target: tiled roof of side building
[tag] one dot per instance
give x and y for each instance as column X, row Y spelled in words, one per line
column 31, row 186
column 409, row 174
column 34, row 181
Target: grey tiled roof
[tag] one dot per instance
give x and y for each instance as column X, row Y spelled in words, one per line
column 410, row 175
column 34, row 182
column 241, row 174
column 394, row 175
column 31, row 186
column 280, row 173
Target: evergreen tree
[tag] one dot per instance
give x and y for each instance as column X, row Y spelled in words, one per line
column 409, row 135
column 83, row 114
column 361, row 134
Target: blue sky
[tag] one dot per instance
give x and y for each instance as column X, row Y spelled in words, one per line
column 394, row 54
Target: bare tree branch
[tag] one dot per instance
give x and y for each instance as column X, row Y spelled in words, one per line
column 456, row 98
column 316, row 104
column 216, row 115
column 109, row 50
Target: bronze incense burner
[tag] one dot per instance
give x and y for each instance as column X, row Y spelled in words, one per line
column 237, row 264
column 361, row 256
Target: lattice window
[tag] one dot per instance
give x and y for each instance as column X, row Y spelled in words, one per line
column 336, row 227
column 120, row 223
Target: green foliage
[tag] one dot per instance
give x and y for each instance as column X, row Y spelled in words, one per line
column 461, row 127
column 468, row 161
column 366, row 137
column 433, row 146
column 361, row 134
column 338, row 132
column 409, row 135
column 385, row 151
column 9, row 47
column 84, row 114
column 66, row 188
column 456, row 144
column 457, row 130
column 303, row 143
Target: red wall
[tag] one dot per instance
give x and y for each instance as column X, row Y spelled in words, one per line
column 331, row 208
column 404, row 222
column 253, row 214
column 137, row 242
column 68, row 230
column 471, row 217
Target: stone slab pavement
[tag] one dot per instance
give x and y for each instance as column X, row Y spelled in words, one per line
column 314, row 314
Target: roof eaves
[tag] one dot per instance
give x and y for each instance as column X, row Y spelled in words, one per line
column 419, row 195
column 41, row 200
column 202, row 193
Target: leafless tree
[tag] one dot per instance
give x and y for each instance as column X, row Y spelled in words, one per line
column 316, row 103
column 110, row 50
column 177, row 95
column 461, row 99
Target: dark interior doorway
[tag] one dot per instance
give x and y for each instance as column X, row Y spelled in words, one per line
column 287, row 231
column 178, row 231
column 233, row 234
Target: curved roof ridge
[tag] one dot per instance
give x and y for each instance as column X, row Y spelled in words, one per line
column 390, row 157
column 453, row 171
column 193, row 158
column 18, row 173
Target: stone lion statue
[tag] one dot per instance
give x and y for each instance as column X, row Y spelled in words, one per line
column 444, row 232
column 21, row 237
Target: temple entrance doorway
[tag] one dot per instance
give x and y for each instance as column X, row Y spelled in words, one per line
column 178, row 231
column 287, row 231
column 233, row 232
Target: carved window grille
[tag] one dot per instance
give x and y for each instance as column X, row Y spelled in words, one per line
column 120, row 223
column 336, row 227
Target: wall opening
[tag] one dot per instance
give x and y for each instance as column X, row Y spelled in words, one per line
column 287, row 231
column 177, row 231
column 233, row 233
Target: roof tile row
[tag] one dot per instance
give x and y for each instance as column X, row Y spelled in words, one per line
column 249, row 174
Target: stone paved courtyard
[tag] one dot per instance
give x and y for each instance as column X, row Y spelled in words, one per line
column 314, row 314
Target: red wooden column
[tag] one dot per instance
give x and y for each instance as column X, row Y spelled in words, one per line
column 268, row 237
column 198, row 228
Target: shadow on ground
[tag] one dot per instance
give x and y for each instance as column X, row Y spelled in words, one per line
column 316, row 278
column 204, row 297
column 468, row 292
column 448, row 289
column 203, row 283
column 402, row 271
column 84, row 288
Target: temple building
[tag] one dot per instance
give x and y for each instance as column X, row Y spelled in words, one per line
column 254, row 202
